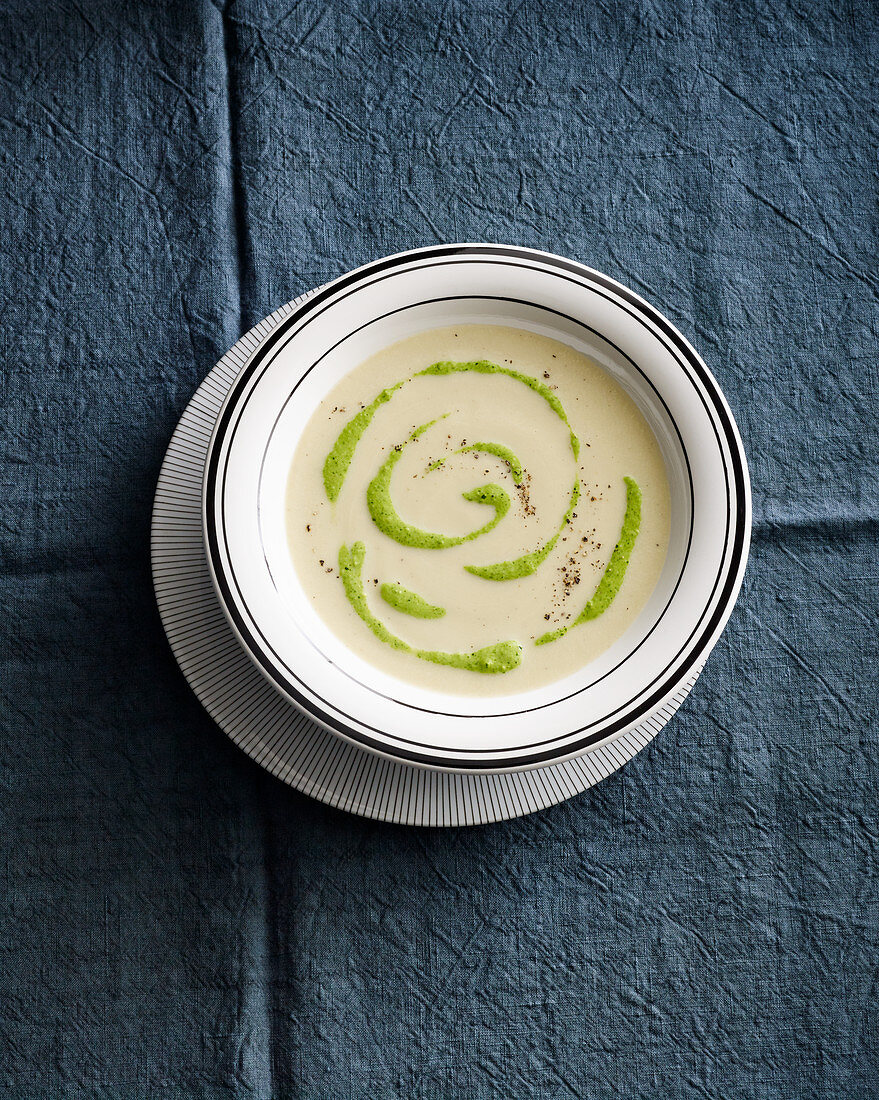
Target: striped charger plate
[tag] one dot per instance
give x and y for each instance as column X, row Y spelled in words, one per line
column 265, row 724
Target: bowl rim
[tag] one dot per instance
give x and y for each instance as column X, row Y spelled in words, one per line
column 738, row 530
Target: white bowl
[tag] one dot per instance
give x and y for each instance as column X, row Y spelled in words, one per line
column 306, row 355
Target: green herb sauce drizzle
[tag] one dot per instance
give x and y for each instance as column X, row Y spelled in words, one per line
column 496, row 449
column 502, row 656
column 492, row 659
column 615, row 570
column 409, row 602
column 388, row 521
column 531, row 562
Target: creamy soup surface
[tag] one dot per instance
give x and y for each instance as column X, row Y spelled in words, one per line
column 487, row 527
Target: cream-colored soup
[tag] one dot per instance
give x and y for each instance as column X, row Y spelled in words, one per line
column 486, row 527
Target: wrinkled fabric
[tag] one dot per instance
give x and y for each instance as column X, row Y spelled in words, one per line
column 175, row 922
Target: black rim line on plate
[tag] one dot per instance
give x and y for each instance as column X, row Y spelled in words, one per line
column 284, row 684
column 428, row 710
column 347, row 731
column 690, row 363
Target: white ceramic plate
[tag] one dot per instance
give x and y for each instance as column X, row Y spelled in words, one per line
column 296, row 364
column 277, row 734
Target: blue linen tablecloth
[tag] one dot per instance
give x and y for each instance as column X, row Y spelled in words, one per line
column 175, row 922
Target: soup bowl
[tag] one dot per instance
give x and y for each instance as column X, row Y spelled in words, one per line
column 296, row 359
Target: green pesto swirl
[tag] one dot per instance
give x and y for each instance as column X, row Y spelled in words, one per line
column 529, row 563
column 492, row 659
column 496, row 449
column 501, row 657
column 388, row 520
column 484, row 366
column 615, row 570
column 409, row 602
column 339, row 459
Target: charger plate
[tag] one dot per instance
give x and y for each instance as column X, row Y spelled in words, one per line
column 265, row 724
